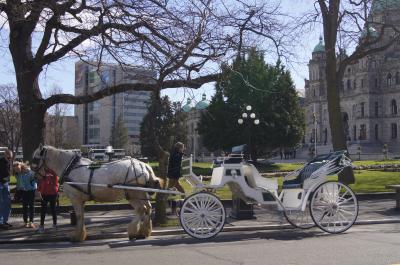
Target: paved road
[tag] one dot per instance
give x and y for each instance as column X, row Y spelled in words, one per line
column 364, row 245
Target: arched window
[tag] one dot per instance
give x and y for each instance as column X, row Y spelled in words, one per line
column 397, row 78
column 348, row 84
column 389, row 79
column 376, row 131
column 393, row 107
column 355, row 84
column 376, row 109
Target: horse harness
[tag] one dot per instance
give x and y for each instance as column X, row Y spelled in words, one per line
column 92, row 167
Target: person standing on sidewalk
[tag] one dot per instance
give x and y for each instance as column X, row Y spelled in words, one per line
column 5, row 197
column 174, row 169
column 26, row 182
column 48, row 187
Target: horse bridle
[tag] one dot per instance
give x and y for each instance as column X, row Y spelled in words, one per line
column 38, row 162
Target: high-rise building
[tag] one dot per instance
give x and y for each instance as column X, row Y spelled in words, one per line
column 97, row 118
column 369, row 93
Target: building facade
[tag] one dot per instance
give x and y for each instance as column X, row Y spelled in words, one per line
column 369, row 94
column 96, row 119
column 194, row 144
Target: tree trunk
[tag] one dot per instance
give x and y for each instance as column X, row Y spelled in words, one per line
column 32, row 108
column 32, row 122
column 333, row 80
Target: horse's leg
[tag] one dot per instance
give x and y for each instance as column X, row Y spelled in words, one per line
column 140, row 227
column 78, row 203
column 146, row 227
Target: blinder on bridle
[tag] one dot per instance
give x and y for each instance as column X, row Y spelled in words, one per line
column 38, row 161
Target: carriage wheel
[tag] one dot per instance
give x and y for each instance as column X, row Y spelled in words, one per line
column 202, row 215
column 334, row 207
column 300, row 219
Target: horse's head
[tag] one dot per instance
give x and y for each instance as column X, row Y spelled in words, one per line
column 38, row 164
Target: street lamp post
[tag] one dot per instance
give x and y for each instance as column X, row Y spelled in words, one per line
column 240, row 209
column 250, row 117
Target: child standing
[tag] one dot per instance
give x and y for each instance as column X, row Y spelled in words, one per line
column 48, row 187
column 27, row 184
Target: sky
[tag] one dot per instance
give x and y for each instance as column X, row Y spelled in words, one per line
column 62, row 73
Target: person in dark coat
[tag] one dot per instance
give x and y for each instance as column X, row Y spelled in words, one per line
column 174, row 167
column 5, row 197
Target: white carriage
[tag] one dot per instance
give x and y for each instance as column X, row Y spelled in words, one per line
column 307, row 197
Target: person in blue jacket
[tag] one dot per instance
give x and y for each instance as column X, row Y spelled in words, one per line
column 27, row 184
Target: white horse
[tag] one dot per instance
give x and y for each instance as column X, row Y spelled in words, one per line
column 72, row 168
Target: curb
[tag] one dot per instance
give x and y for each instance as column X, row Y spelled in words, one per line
column 180, row 231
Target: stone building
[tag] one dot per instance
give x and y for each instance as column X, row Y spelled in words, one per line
column 194, row 145
column 369, row 94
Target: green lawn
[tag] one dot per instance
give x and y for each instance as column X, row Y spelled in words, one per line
column 374, row 181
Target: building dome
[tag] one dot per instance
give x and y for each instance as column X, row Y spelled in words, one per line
column 372, row 32
column 188, row 106
column 203, row 104
column 320, row 47
column 383, row 5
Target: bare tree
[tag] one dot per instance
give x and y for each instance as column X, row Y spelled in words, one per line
column 349, row 25
column 10, row 125
column 183, row 41
column 56, row 131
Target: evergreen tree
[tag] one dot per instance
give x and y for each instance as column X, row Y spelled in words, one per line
column 119, row 134
column 169, row 126
column 272, row 95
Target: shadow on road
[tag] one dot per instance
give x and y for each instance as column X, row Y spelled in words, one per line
column 285, row 235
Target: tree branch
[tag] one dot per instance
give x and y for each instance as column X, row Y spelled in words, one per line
column 71, row 99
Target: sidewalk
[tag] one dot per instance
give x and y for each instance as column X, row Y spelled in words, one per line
column 113, row 224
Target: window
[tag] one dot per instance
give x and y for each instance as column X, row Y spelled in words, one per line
column 389, row 79
column 348, row 84
column 355, row 84
column 376, row 82
column 394, row 131
column 94, row 133
column 376, row 109
column 397, row 78
column 362, row 105
column 393, row 107
column 355, row 132
column 363, row 132
column 376, row 131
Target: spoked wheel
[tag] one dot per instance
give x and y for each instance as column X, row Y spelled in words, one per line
column 300, row 219
column 334, row 207
column 202, row 215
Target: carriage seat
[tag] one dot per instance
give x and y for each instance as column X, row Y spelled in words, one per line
column 255, row 180
column 311, row 167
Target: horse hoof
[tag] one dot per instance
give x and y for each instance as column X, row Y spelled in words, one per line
column 133, row 238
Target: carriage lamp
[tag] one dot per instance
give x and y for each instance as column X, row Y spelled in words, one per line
column 109, row 152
